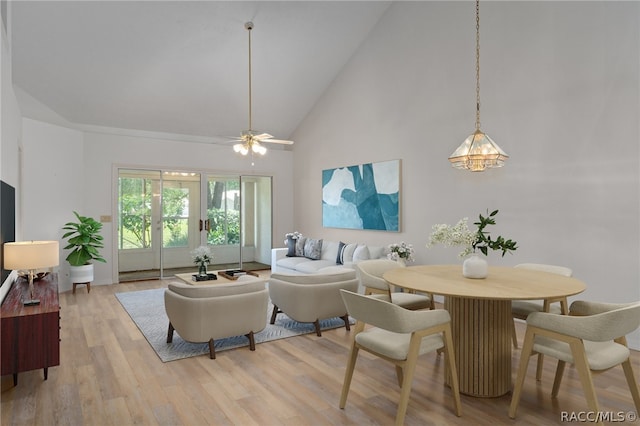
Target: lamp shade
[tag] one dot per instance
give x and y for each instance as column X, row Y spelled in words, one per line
column 477, row 153
column 29, row 255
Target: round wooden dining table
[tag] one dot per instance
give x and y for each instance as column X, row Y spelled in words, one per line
column 480, row 312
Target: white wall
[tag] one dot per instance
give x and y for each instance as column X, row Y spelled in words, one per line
column 560, row 94
column 53, row 182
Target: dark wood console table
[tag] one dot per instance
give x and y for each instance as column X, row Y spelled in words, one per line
column 30, row 334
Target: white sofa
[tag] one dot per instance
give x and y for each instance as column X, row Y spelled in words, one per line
column 328, row 262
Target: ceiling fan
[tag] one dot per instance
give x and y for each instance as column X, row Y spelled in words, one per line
column 250, row 141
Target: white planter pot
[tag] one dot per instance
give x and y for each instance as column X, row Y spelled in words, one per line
column 81, row 274
column 475, row 267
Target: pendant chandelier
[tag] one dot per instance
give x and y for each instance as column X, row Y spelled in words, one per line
column 478, row 152
column 250, row 141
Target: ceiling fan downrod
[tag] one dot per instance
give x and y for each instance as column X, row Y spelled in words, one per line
column 249, row 27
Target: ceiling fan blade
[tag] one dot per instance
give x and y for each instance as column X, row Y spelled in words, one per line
column 262, row 136
column 280, row 141
column 229, row 140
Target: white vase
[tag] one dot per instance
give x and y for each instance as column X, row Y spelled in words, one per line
column 401, row 261
column 475, row 267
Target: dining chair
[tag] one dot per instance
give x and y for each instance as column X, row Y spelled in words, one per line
column 521, row 309
column 592, row 337
column 399, row 336
column 370, row 274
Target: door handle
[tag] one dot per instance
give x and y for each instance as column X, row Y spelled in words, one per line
column 201, row 225
column 207, row 225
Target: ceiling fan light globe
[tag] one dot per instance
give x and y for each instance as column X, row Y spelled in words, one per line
column 258, row 149
column 241, row 148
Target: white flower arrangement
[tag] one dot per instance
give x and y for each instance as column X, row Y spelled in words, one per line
column 401, row 251
column 456, row 235
column 294, row 235
column 202, row 255
column 461, row 235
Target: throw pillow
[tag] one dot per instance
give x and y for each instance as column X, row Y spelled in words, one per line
column 361, row 253
column 347, row 253
column 291, row 247
column 341, row 247
column 376, row 252
column 300, row 246
column 313, row 249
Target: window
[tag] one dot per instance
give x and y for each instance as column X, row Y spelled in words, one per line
column 175, row 215
column 223, row 211
column 134, row 205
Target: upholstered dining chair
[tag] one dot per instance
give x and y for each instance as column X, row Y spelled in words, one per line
column 399, row 336
column 593, row 341
column 521, row 309
column 370, row 274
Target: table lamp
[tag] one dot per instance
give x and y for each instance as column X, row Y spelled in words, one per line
column 31, row 256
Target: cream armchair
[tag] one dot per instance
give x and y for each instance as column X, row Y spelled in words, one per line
column 203, row 313
column 312, row 297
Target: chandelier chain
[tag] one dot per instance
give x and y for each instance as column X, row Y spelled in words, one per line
column 477, row 65
column 478, row 152
column 249, row 28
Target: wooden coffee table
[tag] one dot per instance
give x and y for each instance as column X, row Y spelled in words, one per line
column 221, row 280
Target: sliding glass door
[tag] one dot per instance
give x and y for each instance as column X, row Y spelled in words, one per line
column 164, row 215
column 138, row 217
column 222, row 214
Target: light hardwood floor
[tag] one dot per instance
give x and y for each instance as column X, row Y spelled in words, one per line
column 109, row 375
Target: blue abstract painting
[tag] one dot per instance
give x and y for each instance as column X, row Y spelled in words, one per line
column 365, row 196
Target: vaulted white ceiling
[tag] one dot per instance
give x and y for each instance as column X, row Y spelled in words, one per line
column 182, row 67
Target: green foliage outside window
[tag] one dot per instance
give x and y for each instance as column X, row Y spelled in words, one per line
column 135, row 206
column 135, row 213
column 223, row 212
column 225, row 227
column 175, row 213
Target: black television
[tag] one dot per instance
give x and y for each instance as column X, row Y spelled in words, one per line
column 7, row 221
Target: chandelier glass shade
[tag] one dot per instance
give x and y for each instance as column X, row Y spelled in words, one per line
column 478, row 152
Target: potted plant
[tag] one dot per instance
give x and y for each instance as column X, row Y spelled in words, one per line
column 84, row 239
column 202, row 257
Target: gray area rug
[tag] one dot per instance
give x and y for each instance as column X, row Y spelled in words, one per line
column 146, row 309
